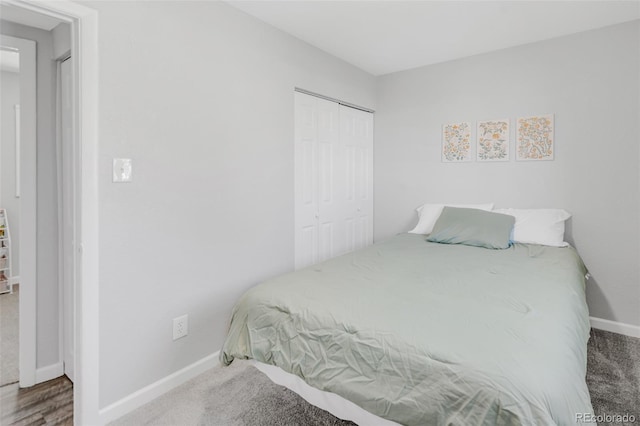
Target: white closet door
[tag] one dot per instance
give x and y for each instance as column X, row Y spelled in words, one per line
column 331, row 190
column 356, row 133
column 306, row 180
column 333, row 179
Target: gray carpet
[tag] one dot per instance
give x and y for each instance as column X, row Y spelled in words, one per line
column 9, row 337
column 613, row 375
column 240, row 395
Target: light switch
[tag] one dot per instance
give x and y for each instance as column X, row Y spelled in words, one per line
column 122, row 168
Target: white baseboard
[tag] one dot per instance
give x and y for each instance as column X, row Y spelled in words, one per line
column 615, row 327
column 154, row 390
column 49, row 372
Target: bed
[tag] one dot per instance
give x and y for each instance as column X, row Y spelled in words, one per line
column 423, row 333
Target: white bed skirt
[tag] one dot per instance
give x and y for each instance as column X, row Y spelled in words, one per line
column 335, row 404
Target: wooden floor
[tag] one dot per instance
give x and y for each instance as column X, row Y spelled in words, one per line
column 48, row 403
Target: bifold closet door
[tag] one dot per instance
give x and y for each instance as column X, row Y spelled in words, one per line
column 306, row 180
column 333, row 179
column 356, row 137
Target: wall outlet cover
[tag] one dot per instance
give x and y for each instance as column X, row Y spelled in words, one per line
column 180, row 327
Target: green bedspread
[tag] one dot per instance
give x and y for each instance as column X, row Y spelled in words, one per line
column 430, row 334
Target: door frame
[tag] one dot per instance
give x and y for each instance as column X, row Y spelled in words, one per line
column 66, row 237
column 84, row 47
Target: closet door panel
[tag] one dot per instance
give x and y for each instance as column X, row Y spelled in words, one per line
column 357, row 136
column 306, row 180
column 330, row 204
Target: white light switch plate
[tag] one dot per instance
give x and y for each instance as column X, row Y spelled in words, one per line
column 122, row 169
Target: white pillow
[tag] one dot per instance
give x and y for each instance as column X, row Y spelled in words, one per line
column 538, row 226
column 429, row 213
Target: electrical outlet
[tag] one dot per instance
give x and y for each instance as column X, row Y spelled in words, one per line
column 180, row 327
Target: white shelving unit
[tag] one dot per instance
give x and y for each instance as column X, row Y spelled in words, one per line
column 6, row 286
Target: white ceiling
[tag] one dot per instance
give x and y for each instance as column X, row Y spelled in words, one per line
column 382, row 37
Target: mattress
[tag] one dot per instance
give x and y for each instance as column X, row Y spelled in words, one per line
column 423, row 333
column 327, row 401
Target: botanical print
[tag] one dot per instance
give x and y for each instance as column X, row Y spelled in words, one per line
column 493, row 140
column 535, row 138
column 456, row 142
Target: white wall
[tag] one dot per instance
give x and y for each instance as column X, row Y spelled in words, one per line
column 591, row 82
column 200, row 96
column 9, row 97
column 47, row 328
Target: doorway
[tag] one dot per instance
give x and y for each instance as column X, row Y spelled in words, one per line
column 43, row 129
column 40, row 311
column 9, row 213
column 84, row 47
column 18, row 201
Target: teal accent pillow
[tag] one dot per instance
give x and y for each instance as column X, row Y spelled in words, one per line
column 472, row 227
